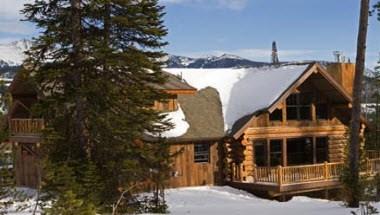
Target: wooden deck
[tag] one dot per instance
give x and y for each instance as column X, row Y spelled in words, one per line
column 297, row 179
column 26, row 130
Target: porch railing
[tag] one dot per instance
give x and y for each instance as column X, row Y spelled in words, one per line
column 308, row 173
column 26, row 126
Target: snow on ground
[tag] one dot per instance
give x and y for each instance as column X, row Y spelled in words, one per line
column 226, row 201
column 369, row 107
column 179, row 121
column 259, row 87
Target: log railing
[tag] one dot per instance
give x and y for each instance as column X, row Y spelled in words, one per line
column 308, row 173
column 26, row 126
column 372, row 154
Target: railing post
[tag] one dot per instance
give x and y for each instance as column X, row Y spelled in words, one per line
column 368, row 166
column 325, row 170
column 254, row 172
column 279, row 175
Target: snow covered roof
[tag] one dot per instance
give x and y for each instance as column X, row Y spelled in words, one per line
column 243, row 91
column 199, row 117
column 178, row 119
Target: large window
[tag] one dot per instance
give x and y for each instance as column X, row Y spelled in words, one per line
column 322, row 149
column 298, row 106
column 201, row 153
column 275, row 152
column 261, row 152
column 300, row 151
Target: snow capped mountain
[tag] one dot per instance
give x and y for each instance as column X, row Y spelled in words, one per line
column 12, row 54
column 223, row 61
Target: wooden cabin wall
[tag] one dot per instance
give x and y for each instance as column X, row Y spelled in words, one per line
column 26, row 165
column 186, row 172
column 337, row 144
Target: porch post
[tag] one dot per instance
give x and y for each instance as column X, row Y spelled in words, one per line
column 284, row 153
column 268, row 152
column 314, row 150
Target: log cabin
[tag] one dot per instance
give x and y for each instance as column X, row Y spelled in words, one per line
column 279, row 130
column 285, row 127
column 197, row 164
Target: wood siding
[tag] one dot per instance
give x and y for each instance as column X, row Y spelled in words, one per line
column 188, row 173
column 26, row 165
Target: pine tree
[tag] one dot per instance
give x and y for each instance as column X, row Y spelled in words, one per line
column 96, row 65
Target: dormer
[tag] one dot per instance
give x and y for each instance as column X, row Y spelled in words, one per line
column 175, row 87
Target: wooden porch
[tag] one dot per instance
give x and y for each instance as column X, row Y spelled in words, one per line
column 26, row 130
column 289, row 180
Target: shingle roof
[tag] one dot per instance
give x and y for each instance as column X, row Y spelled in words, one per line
column 203, row 112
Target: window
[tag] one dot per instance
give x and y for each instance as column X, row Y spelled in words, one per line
column 275, row 152
column 298, row 106
column 300, row 151
column 322, row 149
column 166, row 105
column 260, row 152
column 202, row 153
column 322, row 112
column 276, row 115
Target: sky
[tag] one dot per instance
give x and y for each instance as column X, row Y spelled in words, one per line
column 303, row 29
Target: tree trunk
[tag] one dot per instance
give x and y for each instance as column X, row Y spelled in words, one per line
column 356, row 106
column 79, row 127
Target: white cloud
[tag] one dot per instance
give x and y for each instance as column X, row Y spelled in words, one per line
column 11, row 8
column 10, row 17
column 231, row 4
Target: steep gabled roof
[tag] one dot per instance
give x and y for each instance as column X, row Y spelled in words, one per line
column 332, row 87
column 245, row 93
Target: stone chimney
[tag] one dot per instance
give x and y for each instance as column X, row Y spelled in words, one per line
column 344, row 74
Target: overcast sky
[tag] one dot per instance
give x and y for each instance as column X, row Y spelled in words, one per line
column 303, row 29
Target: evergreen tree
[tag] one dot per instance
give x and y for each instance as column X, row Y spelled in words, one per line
column 96, row 65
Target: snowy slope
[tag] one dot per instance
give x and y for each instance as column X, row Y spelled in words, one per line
column 259, row 87
column 226, row 201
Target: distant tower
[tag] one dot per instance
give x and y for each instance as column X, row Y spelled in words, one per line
column 339, row 58
column 275, row 59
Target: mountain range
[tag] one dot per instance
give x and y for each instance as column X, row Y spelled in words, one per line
column 12, row 55
column 223, row 61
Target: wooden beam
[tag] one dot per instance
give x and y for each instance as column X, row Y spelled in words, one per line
column 284, row 152
column 284, row 114
column 181, row 91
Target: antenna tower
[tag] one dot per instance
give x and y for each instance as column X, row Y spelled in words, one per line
column 275, row 59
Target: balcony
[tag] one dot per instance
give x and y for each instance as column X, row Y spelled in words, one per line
column 302, row 178
column 25, row 130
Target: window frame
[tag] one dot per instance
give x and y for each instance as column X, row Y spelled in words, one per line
column 298, row 106
column 199, row 153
